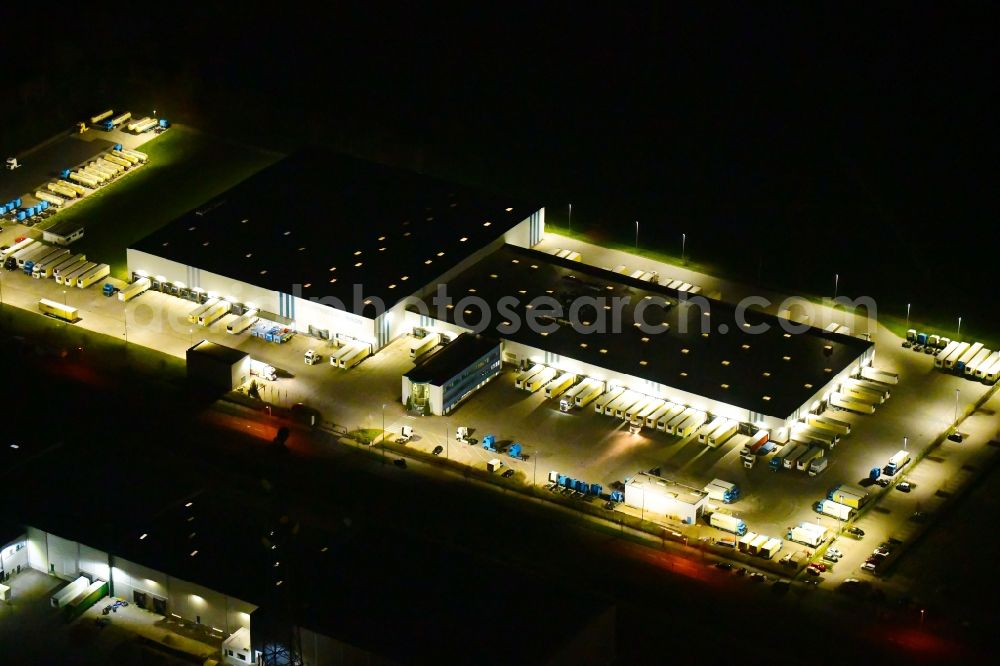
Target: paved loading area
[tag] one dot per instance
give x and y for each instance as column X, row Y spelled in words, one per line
column 32, row 632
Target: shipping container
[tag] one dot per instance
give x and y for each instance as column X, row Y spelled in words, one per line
column 99, row 272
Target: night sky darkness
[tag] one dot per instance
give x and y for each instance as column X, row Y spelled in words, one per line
column 794, row 141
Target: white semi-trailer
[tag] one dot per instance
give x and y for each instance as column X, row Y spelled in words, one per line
column 556, row 386
column 568, row 398
column 835, row 509
column 985, row 366
column 628, row 397
column 421, row 346
column 214, row 313
column 350, row 360
column 197, row 312
column 678, row 420
column 52, row 270
column 651, row 419
column 847, row 403
column 539, row 380
column 809, row 534
column 874, row 387
column 51, row 198
column 689, row 427
column 667, row 416
column 242, row 323
column 722, row 434
column 99, row 272
column 138, row 287
column 32, row 254
column 829, row 423
column 590, row 394
column 44, row 268
column 938, row 360
column 16, row 247
column 340, row 353
column 726, row 522
column 969, row 354
column 607, row 397
column 956, row 353
column 710, row 427
column 973, row 365
column 69, row 278
column 61, row 190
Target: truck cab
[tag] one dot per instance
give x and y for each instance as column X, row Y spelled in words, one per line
column 311, row 357
column 749, row 461
column 775, row 464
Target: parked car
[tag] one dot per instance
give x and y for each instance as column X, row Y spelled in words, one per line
column 437, row 450
column 883, row 482
column 758, row 577
column 400, row 462
column 507, row 473
column 830, row 557
column 868, row 566
column 956, row 437
column 818, row 565
column 813, row 571
column 725, row 566
column 856, row 532
column 833, row 550
column 904, row 486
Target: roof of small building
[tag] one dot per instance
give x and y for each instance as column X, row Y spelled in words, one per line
column 452, row 359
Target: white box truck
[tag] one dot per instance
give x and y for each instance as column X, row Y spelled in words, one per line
column 726, row 522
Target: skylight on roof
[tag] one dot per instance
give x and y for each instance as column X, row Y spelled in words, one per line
column 307, row 285
column 767, row 398
column 463, row 239
column 333, row 268
column 509, row 209
column 392, row 286
column 381, row 238
column 358, row 265
column 288, row 233
column 357, row 252
column 249, row 254
column 486, row 224
column 440, row 254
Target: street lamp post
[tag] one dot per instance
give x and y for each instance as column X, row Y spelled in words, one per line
column 959, row 334
column 637, row 234
column 836, row 283
column 383, row 433
column 956, row 405
column 907, row 316
column 570, row 223
column 905, row 442
column 684, row 238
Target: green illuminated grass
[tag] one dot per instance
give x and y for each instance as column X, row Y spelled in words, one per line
column 186, row 168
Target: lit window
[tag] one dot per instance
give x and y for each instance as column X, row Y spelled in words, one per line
column 486, row 224
column 786, row 358
column 462, row 239
column 357, row 265
column 509, row 209
column 357, row 253
column 604, row 351
column 725, row 363
column 642, row 362
column 767, row 398
column 745, row 346
column 725, row 386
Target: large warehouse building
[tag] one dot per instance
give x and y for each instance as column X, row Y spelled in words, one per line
column 398, row 238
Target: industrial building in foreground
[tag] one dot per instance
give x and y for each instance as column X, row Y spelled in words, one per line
column 395, row 238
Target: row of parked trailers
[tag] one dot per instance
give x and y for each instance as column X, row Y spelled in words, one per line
column 655, row 278
column 863, row 393
column 348, row 355
column 973, row 360
column 41, row 260
column 97, row 172
column 638, row 409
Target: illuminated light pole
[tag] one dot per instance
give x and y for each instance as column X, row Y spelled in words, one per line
column 921, row 616
column 570, row 223
column 959, row 335
column 956, row 406
column 684, row 238
column 905, row 441
column 836, row 283
column 637, row 234
column 907, row 316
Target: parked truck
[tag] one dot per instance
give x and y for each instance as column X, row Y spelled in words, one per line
column 340, row 353
column 710, row 427
column 861, row 394
column 771, row 548
column 350, row 360
column 69, row 278
column 723, row 491
column 678, row 420
column 198, row 311
column 138, row 287
column 806, row 459
column 969, row 354
column 539, row 380
column 897, row 462
column 524, row 376
column 421, row 346
column 852, row 496
column 818, row 466
column 939, row 359
column 973, row 365
column 262, row 370
column 52, row 270
column 809, row 534
column 44, row 268
column 668, row 416
column 756, row 443
column 788, row 460
column 728, row 523
column 626, row 399
column 652, row 418
column 689, row 427
column 835, row 509
column 982, row 369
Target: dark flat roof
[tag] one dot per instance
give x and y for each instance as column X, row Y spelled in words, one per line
column 63, row 228
column 453, row 358
column 330, row 221
column 771, row 373
column 226, row 355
